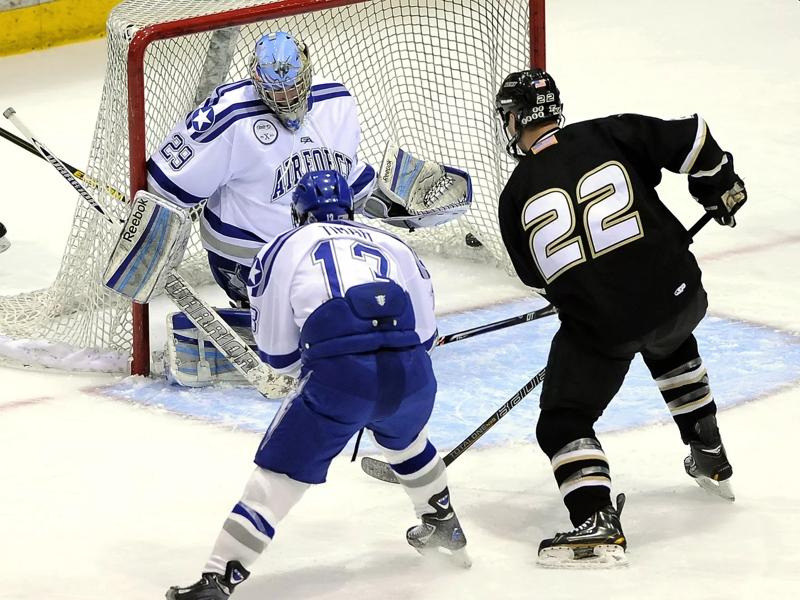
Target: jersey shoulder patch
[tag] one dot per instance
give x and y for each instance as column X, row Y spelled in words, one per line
column 228, row 104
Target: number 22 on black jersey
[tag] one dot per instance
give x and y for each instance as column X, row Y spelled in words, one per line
column 608, row 221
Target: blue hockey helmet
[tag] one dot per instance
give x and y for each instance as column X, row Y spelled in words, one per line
column 281, row 72
column 321, row 196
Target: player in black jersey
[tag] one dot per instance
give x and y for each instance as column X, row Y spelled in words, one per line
column 580, row 217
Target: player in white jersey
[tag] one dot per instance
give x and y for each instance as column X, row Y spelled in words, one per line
column 350, row 309
column 246, row 147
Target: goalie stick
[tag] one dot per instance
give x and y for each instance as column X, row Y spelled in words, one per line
column 202, row 315
column 383, row 470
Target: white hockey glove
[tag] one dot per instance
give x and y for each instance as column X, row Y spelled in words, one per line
column 150, row 246
column 414, row 193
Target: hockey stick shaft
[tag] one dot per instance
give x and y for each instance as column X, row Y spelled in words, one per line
column 481, row 329
column 383, row 470
column 699, row 224
column 59, row 166
column 77, row 173
column 202, row 315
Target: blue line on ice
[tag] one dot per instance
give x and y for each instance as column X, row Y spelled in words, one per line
column 744, row 361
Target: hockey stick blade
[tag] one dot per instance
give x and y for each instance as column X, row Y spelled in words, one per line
column 496, row 326
column 382, row 470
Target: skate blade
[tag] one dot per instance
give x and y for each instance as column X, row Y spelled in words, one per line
column 722, row 489
column 459, row 558
column 608, row 556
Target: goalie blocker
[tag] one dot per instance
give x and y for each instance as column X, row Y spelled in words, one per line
column 413, row 193
column 150, row 246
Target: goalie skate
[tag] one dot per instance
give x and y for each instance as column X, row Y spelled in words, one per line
column 598, row 543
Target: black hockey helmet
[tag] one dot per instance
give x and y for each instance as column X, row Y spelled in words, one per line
column 532, row 97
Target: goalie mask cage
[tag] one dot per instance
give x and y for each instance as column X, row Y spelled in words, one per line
column 424, row 73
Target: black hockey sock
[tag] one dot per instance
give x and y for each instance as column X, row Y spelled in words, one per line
column 683, row 382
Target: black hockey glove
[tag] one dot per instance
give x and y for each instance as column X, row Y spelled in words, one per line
column 721, row 193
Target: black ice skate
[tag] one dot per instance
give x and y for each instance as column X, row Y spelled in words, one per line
column 707, row 462
column 597, row 542
column 4, row 243
column 440, row 530
column 212, row 586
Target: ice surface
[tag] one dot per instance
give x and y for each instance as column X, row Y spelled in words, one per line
column 105, row 497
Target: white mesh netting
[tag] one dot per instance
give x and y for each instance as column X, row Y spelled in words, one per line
column 424, row 73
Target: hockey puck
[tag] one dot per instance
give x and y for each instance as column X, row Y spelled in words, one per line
column 472, row 241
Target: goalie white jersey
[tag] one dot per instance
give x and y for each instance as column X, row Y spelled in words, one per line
column 304, row 268
column 234, row 151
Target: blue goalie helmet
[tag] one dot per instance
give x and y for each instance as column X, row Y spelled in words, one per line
column 321, row 196
column 281, row 72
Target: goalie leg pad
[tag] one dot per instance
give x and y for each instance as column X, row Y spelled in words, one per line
column 192, row 360
column 151, row 244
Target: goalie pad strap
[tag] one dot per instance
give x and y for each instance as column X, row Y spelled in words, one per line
column 192, row 360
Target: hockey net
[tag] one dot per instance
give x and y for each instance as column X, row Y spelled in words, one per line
column 423, row 72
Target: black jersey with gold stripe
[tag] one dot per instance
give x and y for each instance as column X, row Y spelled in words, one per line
column 580, row 217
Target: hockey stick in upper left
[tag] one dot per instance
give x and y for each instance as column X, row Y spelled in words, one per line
column 201, row 314
column 57, row 164
column 77, row 173
column 383, row 470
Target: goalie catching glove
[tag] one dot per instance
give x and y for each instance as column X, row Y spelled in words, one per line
column 720, row 191
column 414, row 193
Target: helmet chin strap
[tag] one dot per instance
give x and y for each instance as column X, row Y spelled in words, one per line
column 512, row 149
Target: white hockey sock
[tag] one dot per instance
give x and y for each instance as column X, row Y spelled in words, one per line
column 420, row 469
column 250, row 527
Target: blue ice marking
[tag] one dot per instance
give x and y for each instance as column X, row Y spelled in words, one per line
column 476, row 376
